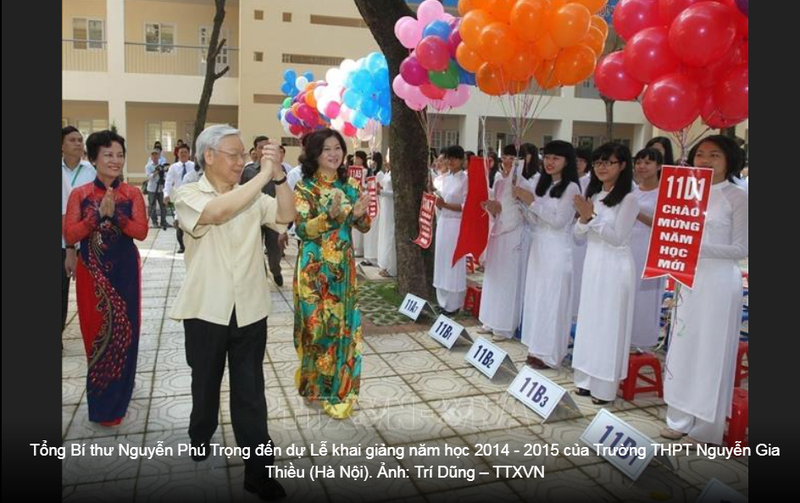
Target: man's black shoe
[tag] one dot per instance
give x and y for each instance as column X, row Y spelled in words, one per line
column 267, row 488
column 278, row 280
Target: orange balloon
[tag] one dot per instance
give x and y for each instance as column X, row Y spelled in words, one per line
column 529, row 19
column 471, row 25
column 557, row 4
column 545, row 47
column 311, row 100
column 545, row 74
column 600, row 23
column 501, row 9
column 518, row 86
column 490, row 79
column 595, row 40
column 468, row 59
column 569, row 24
column 497, row 43
column 465, row 6
column 521, row 65
column 594, row 6
column 575, row 64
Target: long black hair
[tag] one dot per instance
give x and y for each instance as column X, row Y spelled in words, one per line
column 733, row 154
column 651, row 154
column 377, row 158
column 624, row 183
column 529, row 168
column 313, row 149
column 568, row 175
column 494, row 169
column 669, row 158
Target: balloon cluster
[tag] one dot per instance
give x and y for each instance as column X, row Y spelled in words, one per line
column 298, row 113
column 430, row 75
column 354, row 99
column 507, row 42
column 691, row 54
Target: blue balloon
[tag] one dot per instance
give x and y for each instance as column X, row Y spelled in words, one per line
column 465, row 77
column 369, row 107
column 381, row 79
column 309, row 76
column 375, row 61
column 362, row 81
column 359, row 120
column 352, row 99
column 385, row 116
column 289, row 76
column 437, row 28
column 286, row 88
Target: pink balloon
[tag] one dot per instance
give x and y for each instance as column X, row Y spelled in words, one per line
column 400, row 87
column 457, row 97
column 613, row 81
column 439, row 105
column 349, row 129
column 429, row 10
column 415, row 105
column 433, row 54
column 413, row 72
column 633, row 16
column 408, row 31
column 332, row 109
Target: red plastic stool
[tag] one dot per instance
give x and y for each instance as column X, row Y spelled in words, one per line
column 635, row 363
column 742, row 369
column 472, row 302
column 737, row 424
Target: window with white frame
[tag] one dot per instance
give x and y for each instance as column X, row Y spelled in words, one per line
column 89, row 126
column 159, row 37
column 164, row 131
column 87, row 33
column 436, row 140
column 451, row 137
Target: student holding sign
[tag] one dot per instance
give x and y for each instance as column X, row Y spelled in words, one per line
column 548, row 289
column 649, row 292
column 607, row 215
column 450, row 280
column 501, row 298
column 699, row 373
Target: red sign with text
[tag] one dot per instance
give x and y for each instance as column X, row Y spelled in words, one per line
column 372, row 188
column 358, row 173
column 426, row 212
column 678, row 223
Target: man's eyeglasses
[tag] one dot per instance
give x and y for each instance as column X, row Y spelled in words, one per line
column 234, row 156
column 604, row 164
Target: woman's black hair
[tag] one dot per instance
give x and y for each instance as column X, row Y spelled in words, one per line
column 361, row 155
column 102, row 139
column 494, row 169
column 348, row 158
column 624, row 183
column 669, row 158
column 651, row 154
column 454, row 152
column 432, row 155
column 529, row 168
column 314, row 143
column 733, row 154
column 68, row 130
column 377, row 158
column 568, row 175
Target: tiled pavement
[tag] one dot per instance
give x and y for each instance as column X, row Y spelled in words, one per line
column 413, row 391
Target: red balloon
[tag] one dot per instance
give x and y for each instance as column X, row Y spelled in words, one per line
column 712, row 116
column 708, row 76
column 613, row 81
column 432, row 92
column 702, row 33
column 648, row 56
column 633, row 16
column 349, row 129
column 668, row 10
column 731, row 93
column 672, row 102
column 742, row 25
column 433, row 53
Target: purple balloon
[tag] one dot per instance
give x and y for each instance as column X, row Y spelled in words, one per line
column 291, row 119
column 742, row 4
column 413, row 72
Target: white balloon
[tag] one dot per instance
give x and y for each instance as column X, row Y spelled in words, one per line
column 319, row 92
column 348, row 65
column 301, row 83
column 335, row 77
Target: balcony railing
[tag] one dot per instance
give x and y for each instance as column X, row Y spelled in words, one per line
column 176, row 59
column 84, row 55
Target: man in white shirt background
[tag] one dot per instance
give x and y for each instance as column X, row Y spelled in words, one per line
column 174, row 180
column 74, row 173
column 156, row 175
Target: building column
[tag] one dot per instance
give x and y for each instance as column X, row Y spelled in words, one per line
column 468, row 129
column 641, row 135
column 115, row 35
column 564, row 130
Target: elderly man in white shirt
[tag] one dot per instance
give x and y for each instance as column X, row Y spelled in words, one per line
column 225, row 299
column 74, row 173
column 174, row 179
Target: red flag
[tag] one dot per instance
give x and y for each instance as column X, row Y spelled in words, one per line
column 678, row 223
column 474, row 232
column 426, row 220
column 372, row 188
